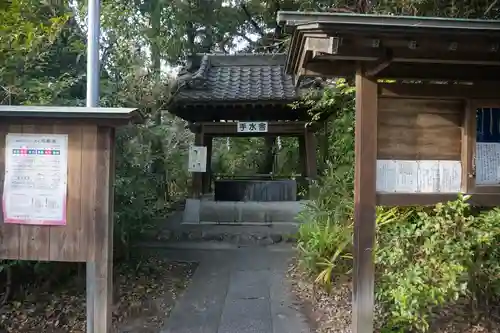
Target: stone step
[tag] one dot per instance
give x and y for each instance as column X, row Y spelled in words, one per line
column 234, row 234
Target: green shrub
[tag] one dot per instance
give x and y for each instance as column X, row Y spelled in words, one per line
column 425, row 258
column 422, row 264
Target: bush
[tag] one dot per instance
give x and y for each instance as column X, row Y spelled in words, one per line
column 425, row 259
column 424, row 263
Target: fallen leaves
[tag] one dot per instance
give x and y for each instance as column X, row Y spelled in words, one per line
column 145, row 292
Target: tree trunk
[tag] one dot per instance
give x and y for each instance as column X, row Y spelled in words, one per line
column 158, row 164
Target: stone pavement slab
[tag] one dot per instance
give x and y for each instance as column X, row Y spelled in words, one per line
column 237, row 291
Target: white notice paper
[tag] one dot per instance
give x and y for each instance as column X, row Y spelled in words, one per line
column 487, row 163
column 450, row 176
column 386, row 176
column 36, row 173
column 428, row 176
column 197, row 159
column 407, row 176
column 425, row 176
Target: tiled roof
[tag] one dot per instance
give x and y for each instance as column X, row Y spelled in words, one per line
column 241, row 78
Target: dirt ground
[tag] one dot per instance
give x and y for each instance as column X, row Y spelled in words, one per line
column 145, row 293
column 330, row 312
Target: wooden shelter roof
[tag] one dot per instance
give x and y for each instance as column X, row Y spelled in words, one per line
column 240, row 78
column 71, row 112
column 392, row 47
column 235, row 87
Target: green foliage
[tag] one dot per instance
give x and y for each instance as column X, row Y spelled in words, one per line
column 422, row 263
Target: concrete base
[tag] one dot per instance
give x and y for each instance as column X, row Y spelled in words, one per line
column 240, row 213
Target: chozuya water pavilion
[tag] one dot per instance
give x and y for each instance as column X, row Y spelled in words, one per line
column 241, row 95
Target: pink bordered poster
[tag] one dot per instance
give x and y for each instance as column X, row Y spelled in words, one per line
column 36, row 179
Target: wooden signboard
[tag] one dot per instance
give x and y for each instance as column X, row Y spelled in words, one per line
column 57, row 173
column 427, row 152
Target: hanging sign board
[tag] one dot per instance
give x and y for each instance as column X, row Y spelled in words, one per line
column 423, row 176
column 36, row 173
column 197, row 159
column 252, row 126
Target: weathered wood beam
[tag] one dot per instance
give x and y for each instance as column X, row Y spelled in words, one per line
column 430, row 199
column 380, row 65
column 479, row 90
column 407, row 71
column 407, row 55
column 364, row 202
column 230, row 128
column 216, row 112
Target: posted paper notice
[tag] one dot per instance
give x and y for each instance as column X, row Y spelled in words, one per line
column 36, row 179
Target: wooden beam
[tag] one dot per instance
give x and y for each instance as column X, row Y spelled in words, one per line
column 443, row 72
column 430, row 199
column 407, row 55
column 440, row 91
column 364, row 203
column 406, row 71
column 381, row 64
column 212, row 111
column 230, row 128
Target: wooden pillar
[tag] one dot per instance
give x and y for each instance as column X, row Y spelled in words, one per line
column 100, row 274
column 310, row 150
column 207, row 176
column 302, row 155
column 197, row 176
column 303, row 163
column 469, row 137
column 364, row 203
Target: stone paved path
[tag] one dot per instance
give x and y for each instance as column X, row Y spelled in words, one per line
column 237, row 291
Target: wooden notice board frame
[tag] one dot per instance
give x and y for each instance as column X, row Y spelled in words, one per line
column 399, row 57
column 88, row 233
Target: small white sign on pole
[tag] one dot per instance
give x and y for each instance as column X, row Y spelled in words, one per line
column 252, row 126
column 197, row 159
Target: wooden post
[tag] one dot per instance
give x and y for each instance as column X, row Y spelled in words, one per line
column 197, row 176
column 303, row 164
column 207, row 176
column 469, row 135
column 311, row 162
column 302, row 155
column 364, row 203
column 102, row 279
